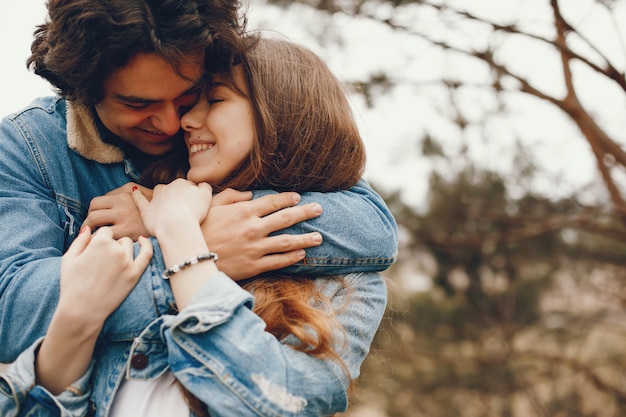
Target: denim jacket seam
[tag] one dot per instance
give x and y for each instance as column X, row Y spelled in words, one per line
column 324, row 261
column 36, row 153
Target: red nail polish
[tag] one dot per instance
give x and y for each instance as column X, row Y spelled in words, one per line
column 135, row 188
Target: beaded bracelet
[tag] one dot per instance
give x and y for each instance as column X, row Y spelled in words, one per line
column 168, row 272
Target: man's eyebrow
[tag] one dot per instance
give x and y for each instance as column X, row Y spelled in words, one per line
column 194, row 89
column 135, row 99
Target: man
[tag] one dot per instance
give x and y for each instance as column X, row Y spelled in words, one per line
column 126, row 70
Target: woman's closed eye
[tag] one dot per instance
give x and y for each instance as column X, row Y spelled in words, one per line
column 215, row 100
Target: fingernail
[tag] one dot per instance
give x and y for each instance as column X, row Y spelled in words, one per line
column 296, row 198
column 317, row 209
column 135, row 188
column 316, row 238
column 82, row 229
column 301, row 253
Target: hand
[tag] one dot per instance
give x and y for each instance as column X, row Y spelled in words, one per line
column 238, row 229
column 117, row 209
column 98, row 272
column 177, row 203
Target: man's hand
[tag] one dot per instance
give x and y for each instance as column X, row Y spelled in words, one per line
column 237, row 229
column 117, row 209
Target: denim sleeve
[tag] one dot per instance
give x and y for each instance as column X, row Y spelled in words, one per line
column 359, row 232
column 19, row 394
column 220, row 351
column 34, row 234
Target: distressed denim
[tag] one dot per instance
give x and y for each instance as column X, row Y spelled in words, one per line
column 45, row 190
column 219, row 350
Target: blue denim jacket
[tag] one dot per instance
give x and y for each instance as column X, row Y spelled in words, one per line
column 48, row 176
column 220, row 351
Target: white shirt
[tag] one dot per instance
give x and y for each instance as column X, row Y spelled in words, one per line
column 161, row 397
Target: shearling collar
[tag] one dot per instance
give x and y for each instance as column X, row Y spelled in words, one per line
column 83, row 136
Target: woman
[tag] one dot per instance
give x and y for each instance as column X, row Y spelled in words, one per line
column 276, row 119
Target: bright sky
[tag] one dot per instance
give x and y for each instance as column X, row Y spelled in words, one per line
column 17, row 24
column 393, row 128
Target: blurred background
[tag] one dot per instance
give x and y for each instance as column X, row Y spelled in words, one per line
column 495, row 131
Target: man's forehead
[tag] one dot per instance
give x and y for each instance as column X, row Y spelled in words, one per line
column 148, row 78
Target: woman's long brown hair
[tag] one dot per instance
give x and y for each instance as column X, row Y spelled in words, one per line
column 306, row 140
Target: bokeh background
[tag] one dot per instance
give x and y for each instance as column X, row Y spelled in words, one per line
column 495, row 131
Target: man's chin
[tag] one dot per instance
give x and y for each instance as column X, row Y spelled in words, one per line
column 159, row 149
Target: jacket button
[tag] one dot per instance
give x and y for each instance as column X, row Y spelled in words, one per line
column 139, row 361
column 91, row 411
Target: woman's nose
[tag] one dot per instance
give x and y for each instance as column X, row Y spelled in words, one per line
column 194, row 118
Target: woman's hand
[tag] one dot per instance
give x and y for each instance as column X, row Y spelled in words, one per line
column 174, row 216
column 178, row 203
column 97, row 273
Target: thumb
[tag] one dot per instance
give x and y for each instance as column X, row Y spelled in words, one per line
column 140, row 200
column 206, row 186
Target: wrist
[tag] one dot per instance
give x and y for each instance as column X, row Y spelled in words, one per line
column 207, row 256
column 175, row 229
column 181, row 243
column 77, row 325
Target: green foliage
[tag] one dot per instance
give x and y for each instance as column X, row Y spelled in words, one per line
column 495, row 328
column 526, row 289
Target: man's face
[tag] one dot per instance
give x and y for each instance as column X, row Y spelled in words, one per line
column 144, row 100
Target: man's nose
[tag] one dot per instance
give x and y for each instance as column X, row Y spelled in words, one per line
column 167, row 119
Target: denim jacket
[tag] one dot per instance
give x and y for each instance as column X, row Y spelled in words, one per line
column 53, row 163
column 219, row 350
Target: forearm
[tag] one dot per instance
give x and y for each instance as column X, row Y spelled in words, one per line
column 180, row 242
column 29, row 285
column 66, row 351
column 19, row 394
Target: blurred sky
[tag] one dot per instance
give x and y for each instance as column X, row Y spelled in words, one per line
column 393, row 127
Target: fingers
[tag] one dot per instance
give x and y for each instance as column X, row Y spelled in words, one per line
column 230, row 196
column 127, row 245
column 103, row 233
column 205, row 185
column 273, row 202
column 271, row 253
column 140, row 200
column 99, row 203
column 292, row 215
column 144, row 255
column 126, row 189
column 99, row 217
column 81, row 241
column 105, row 210
column 281, row 260
column 265, row 264
column 287, row 243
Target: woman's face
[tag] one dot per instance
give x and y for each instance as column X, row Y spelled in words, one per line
column 219, row 131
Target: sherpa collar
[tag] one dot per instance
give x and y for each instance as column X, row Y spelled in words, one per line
column 83, row 136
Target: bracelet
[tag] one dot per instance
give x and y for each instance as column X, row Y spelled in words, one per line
column 168, row 272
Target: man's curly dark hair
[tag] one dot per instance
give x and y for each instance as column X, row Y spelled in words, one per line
column 83, row 41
